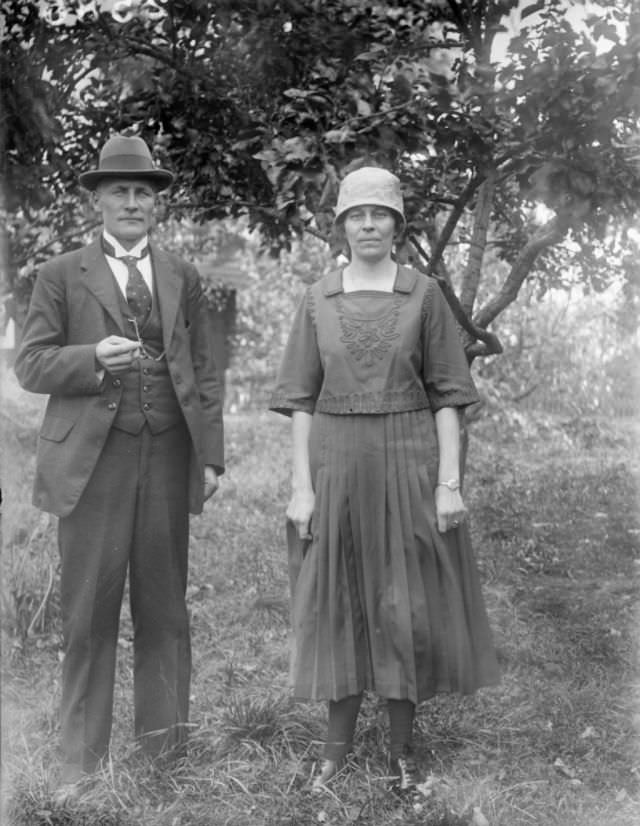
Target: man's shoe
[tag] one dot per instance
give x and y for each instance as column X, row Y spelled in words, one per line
column 404, row 771
column 327, row 770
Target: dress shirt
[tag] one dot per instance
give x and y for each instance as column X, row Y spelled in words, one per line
column 119, row 268
column 121, row 272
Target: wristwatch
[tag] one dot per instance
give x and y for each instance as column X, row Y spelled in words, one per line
column 452, row 484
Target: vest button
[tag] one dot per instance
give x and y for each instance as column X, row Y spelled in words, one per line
column 146, row 388
column 117, row 382
column 112, row 405
column 146, row 406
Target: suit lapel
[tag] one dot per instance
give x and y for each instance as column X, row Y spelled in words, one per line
column 168, row 284
column 99, row 279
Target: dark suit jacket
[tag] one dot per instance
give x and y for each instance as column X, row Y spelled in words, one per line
column 74, row 306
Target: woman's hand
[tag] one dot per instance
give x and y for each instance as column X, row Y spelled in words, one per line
column 300, row 510
column 450, row 509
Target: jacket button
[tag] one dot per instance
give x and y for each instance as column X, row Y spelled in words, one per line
column 112, row 405
column 117, row 382
column 146, row 371
column 145, row 387
column 146, row 406
column 178, row 379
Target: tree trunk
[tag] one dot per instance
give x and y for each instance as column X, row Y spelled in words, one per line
column 481, row 218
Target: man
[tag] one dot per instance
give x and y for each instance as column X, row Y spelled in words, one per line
column 131, row 442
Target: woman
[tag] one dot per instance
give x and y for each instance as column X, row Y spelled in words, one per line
column 386, row 597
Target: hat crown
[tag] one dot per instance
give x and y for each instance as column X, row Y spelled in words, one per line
column 126, row 157
column 120, row 152
column 370, row 185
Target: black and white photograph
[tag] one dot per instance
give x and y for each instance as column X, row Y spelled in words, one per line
column 319, row 412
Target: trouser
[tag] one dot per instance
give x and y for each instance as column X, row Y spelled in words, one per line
column 132, row 516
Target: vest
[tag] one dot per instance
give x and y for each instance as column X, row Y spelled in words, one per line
column 148, row 396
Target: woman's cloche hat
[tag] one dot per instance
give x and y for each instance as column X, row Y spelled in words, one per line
column 370, row 185
column 123, row 157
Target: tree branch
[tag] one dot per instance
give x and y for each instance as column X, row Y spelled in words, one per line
column 317, row 234
column 72, row 233
column 459, row 18
column 474, row 27
column 490, row 341
column 524, row 393
column 551, row 233
column 451, row 223
column 432, row 237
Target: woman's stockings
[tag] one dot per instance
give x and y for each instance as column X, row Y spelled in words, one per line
column 401, row 713
column 343, row 715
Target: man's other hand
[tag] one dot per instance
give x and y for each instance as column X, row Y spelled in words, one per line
column 210, row 482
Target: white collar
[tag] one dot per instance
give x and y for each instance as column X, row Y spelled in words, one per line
column 120, row 250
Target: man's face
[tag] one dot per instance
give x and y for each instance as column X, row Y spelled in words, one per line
column 127, row 207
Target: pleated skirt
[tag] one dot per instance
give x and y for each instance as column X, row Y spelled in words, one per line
column 381, row 600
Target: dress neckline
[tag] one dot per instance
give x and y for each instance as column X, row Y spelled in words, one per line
column 369, row 290
column 406, row 279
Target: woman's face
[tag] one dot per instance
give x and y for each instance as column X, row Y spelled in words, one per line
column 370, row 231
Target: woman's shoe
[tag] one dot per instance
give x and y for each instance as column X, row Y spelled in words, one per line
column 327, row 770
column 404, row 771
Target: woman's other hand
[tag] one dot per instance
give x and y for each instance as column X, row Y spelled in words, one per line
column 450, row 509
column 300, row 510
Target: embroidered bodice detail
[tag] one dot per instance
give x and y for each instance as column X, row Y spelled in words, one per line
column 367, row 338
column 372, row 352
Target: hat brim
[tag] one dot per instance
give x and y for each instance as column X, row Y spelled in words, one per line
column 159, row 178
column 370, row 202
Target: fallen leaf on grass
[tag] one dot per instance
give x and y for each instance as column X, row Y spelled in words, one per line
column 562, row 767
column 478, row 818
column 568, row 772
column 426, row 789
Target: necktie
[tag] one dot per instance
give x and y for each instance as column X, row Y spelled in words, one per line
column 137, row 292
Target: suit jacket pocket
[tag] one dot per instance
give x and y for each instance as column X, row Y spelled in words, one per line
column 55, row 429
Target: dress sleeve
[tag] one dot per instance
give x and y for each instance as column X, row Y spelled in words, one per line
column 445, row 371
column 301, row 374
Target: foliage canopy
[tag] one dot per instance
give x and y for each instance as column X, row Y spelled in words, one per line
column 483, row 108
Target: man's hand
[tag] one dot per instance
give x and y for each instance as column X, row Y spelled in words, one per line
column 211, row 483
column 116, row 354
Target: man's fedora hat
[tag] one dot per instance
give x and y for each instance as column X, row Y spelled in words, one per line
column 123, row 157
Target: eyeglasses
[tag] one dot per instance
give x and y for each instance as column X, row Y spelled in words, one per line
column 144, row 353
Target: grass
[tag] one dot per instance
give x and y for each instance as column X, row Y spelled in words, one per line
column 555, row 524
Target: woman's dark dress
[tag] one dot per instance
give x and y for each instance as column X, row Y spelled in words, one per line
column 382, row 600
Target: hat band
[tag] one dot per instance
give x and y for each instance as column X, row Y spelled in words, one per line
column 135, row 163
